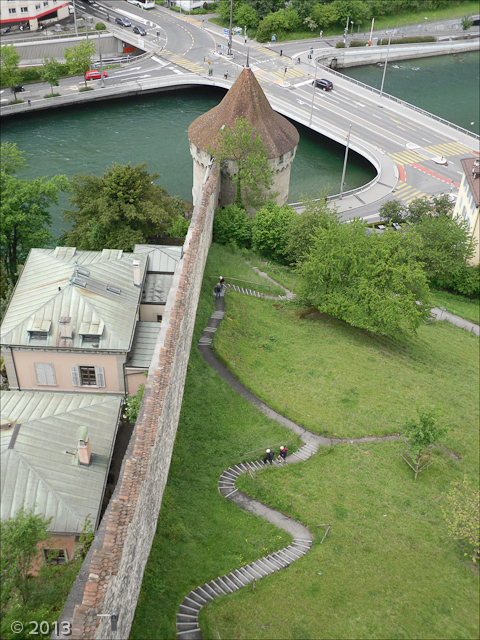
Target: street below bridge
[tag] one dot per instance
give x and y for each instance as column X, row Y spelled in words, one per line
column 414, row 154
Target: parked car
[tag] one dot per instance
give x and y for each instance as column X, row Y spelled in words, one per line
column 95, row 75
column 123, row 22
column 326, row 85
column 140, row 30
column 18, row 88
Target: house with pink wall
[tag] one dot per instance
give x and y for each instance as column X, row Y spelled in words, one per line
column 73, row 321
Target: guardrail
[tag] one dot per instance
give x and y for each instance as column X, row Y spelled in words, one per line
column 399, row 101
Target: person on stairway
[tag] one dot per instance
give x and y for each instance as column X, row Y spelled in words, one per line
column 269, row 456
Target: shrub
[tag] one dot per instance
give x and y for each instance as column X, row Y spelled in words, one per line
column 410, row 40
column 100, row 26
column 51, row 95
column 339, row 45
column 132, row 405
column 232, row 224
column 467, row 22
column 176, row 9
column 358, row 43
column 198, row 11
column 31, row 74
column 269, row 230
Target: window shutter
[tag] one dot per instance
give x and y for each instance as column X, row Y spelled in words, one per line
column 45, row 373
column 100, row 376
column 75, row 372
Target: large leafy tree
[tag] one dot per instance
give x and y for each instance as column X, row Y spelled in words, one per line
column 117, row 210
column 79, row 58
column 9, row 67
column 21, row 536
column 252, row 174
column 24, row 209
column 373, row 282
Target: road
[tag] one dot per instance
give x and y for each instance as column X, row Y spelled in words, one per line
column 416, row 155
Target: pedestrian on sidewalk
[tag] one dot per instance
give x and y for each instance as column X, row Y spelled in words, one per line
column 283, row 453
column 269, row 456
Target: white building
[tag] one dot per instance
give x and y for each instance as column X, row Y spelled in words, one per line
column 467, row 206
column 32, row 13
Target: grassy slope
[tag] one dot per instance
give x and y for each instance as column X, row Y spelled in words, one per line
column 460, row 306
column 408, row 573
column 318, row 369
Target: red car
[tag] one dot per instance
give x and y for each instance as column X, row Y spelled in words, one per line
column 94, row 75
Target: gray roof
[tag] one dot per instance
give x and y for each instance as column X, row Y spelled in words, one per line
column 144, row 341
column 35, row 470
column 156, row 287
column 161, row 258
column 93, row 289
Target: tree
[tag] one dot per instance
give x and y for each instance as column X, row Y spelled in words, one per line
column 447, row 247
column 10, row 72
column 324, row 15
column 24, row 209
column 232, row 224
column 117, row 210
column 269, row 230
column 433, row 207
column 11, row 159
column 247, row 16
column 252, row 173
column 356, row 10
column 420, row 438
column 21, row 536
column 467, row 22
column 373, row 282
column 300, row 233
column 462, row 515
column 224, row 8
column 52, row 71
column 393, row 211
column 79, row 58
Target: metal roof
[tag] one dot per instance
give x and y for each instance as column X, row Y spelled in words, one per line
column 35, row 468
column 156, row 287
column 143, row 346
column 94, row 289
column 161, row 258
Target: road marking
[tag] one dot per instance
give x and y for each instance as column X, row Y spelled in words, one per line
column 161, row 62
column 147, row 75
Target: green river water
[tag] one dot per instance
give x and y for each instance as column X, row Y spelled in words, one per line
column 153, row 129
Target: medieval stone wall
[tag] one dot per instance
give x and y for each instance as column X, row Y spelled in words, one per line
column 116, row 570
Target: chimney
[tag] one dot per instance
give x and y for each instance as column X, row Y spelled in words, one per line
column 137, row 276
column 83, row 446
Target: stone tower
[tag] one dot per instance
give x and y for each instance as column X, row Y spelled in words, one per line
column 245, row 99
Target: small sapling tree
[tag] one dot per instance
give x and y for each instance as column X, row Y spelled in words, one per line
column 79, row 58
column 420, row 438
column 9, row 67
column 463, row 515
column 52, row 71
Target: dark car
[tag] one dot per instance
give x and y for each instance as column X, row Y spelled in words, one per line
column 90, row 2
column 326, row 85
column 123, row 22
column 17, row 88
column 140, row 30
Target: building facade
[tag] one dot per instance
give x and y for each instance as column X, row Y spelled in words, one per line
column 467, row 206
column 31, row 14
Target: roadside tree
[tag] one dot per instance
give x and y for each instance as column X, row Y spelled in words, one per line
column 253, row 174
column 11, row 158
column 117, row 210
column 373, row 282
column 10, row 72
column 393, row 211
column 79, row 58
column 52, row 71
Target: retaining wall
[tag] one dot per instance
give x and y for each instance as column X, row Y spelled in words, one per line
column 116, row 570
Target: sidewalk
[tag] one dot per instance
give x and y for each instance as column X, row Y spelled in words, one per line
column 442, row 314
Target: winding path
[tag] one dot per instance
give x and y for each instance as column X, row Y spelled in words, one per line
column 187, row 617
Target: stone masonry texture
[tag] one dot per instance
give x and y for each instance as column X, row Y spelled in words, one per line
column 116, row 570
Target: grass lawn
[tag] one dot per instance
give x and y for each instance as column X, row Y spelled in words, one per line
column 460, row 306
column 386, row 569
column 396, row 576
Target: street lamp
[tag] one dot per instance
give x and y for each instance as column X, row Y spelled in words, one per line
column 313, row 94
column 75, row 18
column 386, row 60
column 345, row 162
column 101, row 62
column 229, row 46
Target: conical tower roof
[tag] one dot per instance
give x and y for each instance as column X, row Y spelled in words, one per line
column 245, row 99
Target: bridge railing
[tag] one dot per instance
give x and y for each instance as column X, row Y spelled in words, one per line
column 398, row 100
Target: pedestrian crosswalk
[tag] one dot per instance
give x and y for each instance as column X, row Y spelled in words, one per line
column 292, row 72
column 449, row 149
column 407, row 193
column 406, row 157
column 192, row 20
column 183, row 62
column 265, row 51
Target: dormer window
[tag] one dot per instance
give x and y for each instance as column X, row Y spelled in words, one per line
column 39, row 330
column 91, row 333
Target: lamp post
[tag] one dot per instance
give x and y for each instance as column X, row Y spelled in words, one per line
column 385, row 65
column 229, row 46
column 75, row 18
column 101, row 62
column 313, row 94
column 345, row 162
